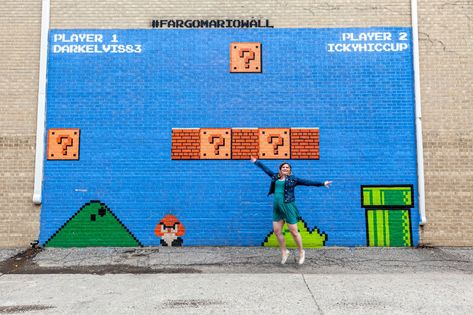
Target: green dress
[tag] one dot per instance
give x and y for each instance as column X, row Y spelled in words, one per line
column 281, row 210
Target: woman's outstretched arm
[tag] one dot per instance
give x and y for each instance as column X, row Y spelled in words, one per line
column 307, row 182
column 262, row 166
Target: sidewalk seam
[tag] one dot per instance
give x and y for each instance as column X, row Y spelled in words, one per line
column 312, row 294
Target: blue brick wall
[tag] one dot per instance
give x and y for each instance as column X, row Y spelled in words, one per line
column 127, row 104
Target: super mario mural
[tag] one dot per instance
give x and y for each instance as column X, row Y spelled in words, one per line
column 168, row 126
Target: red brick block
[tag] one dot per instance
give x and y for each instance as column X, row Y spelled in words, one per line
column 305, row 144
column 244, row 143
column 185, row 144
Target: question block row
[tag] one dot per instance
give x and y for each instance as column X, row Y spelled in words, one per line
column 242, row 143
column 213, row 143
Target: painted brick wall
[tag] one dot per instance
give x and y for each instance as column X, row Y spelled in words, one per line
column 132, row 108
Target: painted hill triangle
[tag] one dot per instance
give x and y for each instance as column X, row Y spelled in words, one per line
column 92, row 226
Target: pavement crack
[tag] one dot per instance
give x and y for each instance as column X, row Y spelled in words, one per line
column 312, row 294
column 67, row 255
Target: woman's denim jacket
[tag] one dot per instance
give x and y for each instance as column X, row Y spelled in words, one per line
column 290, row 183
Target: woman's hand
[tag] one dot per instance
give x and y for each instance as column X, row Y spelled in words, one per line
column 327, row 183
column 253, row 159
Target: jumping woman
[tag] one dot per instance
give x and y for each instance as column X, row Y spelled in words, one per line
column 284, row 206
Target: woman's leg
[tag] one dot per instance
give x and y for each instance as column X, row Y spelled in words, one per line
column 277, row 227
column 297, row 237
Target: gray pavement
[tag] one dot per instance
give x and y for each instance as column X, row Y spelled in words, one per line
column 249, row 260
column 231, row 280
column 9, row 252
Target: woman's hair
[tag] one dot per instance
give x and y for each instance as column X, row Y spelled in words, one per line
column 281, row 165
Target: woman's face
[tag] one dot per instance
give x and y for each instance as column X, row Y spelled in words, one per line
column 285, row 169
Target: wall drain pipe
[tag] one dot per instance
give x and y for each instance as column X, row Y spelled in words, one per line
column 418, row 114
column 41, row 113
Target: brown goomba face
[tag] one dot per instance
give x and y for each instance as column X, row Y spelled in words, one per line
column 170, row 230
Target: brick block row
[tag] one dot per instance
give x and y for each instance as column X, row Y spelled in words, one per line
column 188, row 144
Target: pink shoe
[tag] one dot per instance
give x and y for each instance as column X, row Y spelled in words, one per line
column 284, row 257
column 302, row 257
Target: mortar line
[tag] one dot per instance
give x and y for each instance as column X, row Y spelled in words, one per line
column 312, row 294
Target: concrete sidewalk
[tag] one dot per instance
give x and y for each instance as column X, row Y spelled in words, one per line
column 236, row 260
column 277, row 293
column 236, row 280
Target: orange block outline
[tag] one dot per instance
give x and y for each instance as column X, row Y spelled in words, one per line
column 63, row 144
column 245, row 57
column 274, row 143
column 215, row 143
